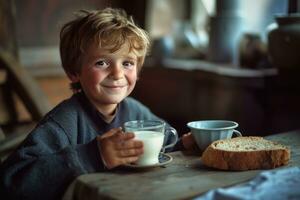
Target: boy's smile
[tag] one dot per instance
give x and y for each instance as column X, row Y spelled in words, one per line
column 107, row 78
column 114, row 89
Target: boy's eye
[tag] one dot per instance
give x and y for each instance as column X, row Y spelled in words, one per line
column 128, row 64
column 101, row 63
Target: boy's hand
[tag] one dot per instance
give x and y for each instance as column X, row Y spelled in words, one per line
column 117, row 148
column 189, row 142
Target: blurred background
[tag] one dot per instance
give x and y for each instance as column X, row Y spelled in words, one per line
column 210, row 59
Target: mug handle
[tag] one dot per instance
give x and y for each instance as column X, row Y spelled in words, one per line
column 238, row 134
column 175, row 135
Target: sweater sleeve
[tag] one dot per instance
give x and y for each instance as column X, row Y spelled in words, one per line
column 46, row 163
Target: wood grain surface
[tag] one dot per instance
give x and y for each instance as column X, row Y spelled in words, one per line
column 186, row 177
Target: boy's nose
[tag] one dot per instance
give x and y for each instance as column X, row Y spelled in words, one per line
column 116, row 72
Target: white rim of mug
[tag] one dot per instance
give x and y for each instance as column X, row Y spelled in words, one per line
column 162, row 123
column 235, row 124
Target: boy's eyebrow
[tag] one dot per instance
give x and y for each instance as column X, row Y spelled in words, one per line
column 131, row 57
column 108, row 56
column 96, row 56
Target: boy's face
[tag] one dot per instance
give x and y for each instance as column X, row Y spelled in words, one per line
column 107, row 78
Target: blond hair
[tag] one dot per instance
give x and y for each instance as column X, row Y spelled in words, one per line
column 109, row 28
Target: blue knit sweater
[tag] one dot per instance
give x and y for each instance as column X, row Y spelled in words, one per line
column 61, row 147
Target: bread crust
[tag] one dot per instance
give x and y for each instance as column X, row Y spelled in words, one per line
column 245, row 160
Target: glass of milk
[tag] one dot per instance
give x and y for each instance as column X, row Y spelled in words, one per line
column 152, row 133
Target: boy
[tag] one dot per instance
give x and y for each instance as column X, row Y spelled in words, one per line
column 102, row 53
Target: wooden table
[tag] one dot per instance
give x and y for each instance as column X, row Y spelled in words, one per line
column 186, row 177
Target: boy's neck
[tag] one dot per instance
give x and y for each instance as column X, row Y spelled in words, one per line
column 108, row 112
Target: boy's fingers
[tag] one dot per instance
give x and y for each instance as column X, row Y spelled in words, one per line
column 189, row 142
column 187, row 134
column 128, row 136
column 120, row 136
column 130, row 152
column 112, row 132
column 129, row 144
column 127, row 160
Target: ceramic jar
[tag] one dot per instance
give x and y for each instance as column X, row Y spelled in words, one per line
column 226, row 28
column 284, row 43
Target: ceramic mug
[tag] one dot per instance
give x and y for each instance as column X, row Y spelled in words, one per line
column 152, row 133
column 207, row 131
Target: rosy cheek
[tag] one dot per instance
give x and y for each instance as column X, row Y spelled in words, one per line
column 93, row 78
column 132, row 77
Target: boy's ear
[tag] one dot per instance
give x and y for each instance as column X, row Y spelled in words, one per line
column 73, row 77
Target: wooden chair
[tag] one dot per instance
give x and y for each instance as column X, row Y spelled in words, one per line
column 15, row 83
column 19, row 81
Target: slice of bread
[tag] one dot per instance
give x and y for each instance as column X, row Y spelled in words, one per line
column 245, row 153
